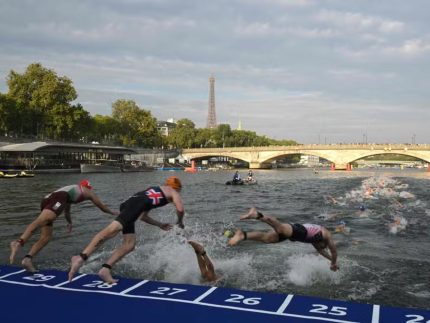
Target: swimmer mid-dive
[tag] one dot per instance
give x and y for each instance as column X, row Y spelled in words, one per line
column 52, row 206
column 318, row 236
column 136, row 207
column 206, row 267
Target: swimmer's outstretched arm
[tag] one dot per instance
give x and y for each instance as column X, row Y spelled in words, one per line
column 146, row 218
column 323, row 252
column 332, row 256
column 94, row 198
column 68, row 217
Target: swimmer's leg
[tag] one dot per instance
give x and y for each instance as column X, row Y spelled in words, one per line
column 261, row 236
column 45, row 237
column 45, row 217
column 206, row 267
column 280, row 228
column 127, row 246
column 252, row 214
column 109, row 232
column 14, row 248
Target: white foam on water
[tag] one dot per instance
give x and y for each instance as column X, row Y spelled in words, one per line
column 363, row 292
column 419, row 290
column 398, row 225
column 171, row 258
column 306, row 270
column 406, row 195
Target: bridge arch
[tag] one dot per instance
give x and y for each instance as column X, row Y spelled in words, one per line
column 278, row 155
column 406, row 153
column 209, row 155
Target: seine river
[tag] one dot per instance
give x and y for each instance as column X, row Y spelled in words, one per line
column 380, row 262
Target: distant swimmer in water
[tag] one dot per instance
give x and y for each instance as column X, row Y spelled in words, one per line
column 136, row 207
column 397, row 204
column 318, row 236
column 398, row 225
column 342, row 228
column 206, row 267
column 331, row 199
column 362, row 212
column 52, row 206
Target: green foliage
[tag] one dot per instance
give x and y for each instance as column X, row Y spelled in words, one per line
column 183, row 136
column 105, row 129
column 39, row 105
column 10, row 117
column 138, row 126
column 391, row 157
column 42, row 96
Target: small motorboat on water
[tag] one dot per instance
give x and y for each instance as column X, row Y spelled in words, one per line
column 239, row 182
column 251, row 181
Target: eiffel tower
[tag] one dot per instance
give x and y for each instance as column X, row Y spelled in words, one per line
column 211, row 122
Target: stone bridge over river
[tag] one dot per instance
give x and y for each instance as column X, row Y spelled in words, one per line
column 340, row 155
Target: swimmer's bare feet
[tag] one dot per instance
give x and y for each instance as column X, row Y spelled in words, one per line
column 106, row 276
column 238, row 237
column 28, row 265
column 76, row 263
column 252, row 214
column 198, row 248
column 14, row 247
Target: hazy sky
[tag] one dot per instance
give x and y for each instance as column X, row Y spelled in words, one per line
column 309, row 70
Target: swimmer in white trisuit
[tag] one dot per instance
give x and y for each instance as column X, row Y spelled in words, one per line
column 52, row 206
column 318, row 236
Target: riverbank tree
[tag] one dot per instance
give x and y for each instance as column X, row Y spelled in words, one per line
column 42, row 105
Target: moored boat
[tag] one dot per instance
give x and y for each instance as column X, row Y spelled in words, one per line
column 3, row 175
column 136, row 166
column 24, row 174
column 100, row 168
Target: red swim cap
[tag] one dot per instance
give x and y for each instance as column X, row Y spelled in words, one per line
column 85, row 183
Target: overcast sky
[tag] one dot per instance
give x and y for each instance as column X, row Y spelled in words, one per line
column 309, row 70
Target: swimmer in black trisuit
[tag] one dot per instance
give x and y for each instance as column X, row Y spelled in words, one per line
column 52, row 206
column 206, row 267
column 137, row 206
column 317, row 235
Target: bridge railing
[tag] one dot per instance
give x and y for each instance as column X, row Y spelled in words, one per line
column 386, row 147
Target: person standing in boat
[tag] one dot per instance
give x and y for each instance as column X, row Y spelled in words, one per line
column 52, row 206
column 134, row 208
column 318, row 236
column 250, row 176
column 236, row 177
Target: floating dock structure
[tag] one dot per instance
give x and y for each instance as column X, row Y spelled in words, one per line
column 47, row 297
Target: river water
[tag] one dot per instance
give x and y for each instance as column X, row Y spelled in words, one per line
column 379, row 262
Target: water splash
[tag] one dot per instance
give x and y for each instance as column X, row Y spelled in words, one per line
column 306, row 270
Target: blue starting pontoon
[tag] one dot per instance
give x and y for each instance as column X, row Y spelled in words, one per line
column 48, row 297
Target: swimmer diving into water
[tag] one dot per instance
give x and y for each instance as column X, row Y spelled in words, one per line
column 137, row 206
column 52, row 206
column 318, row 236
column 206, row 267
